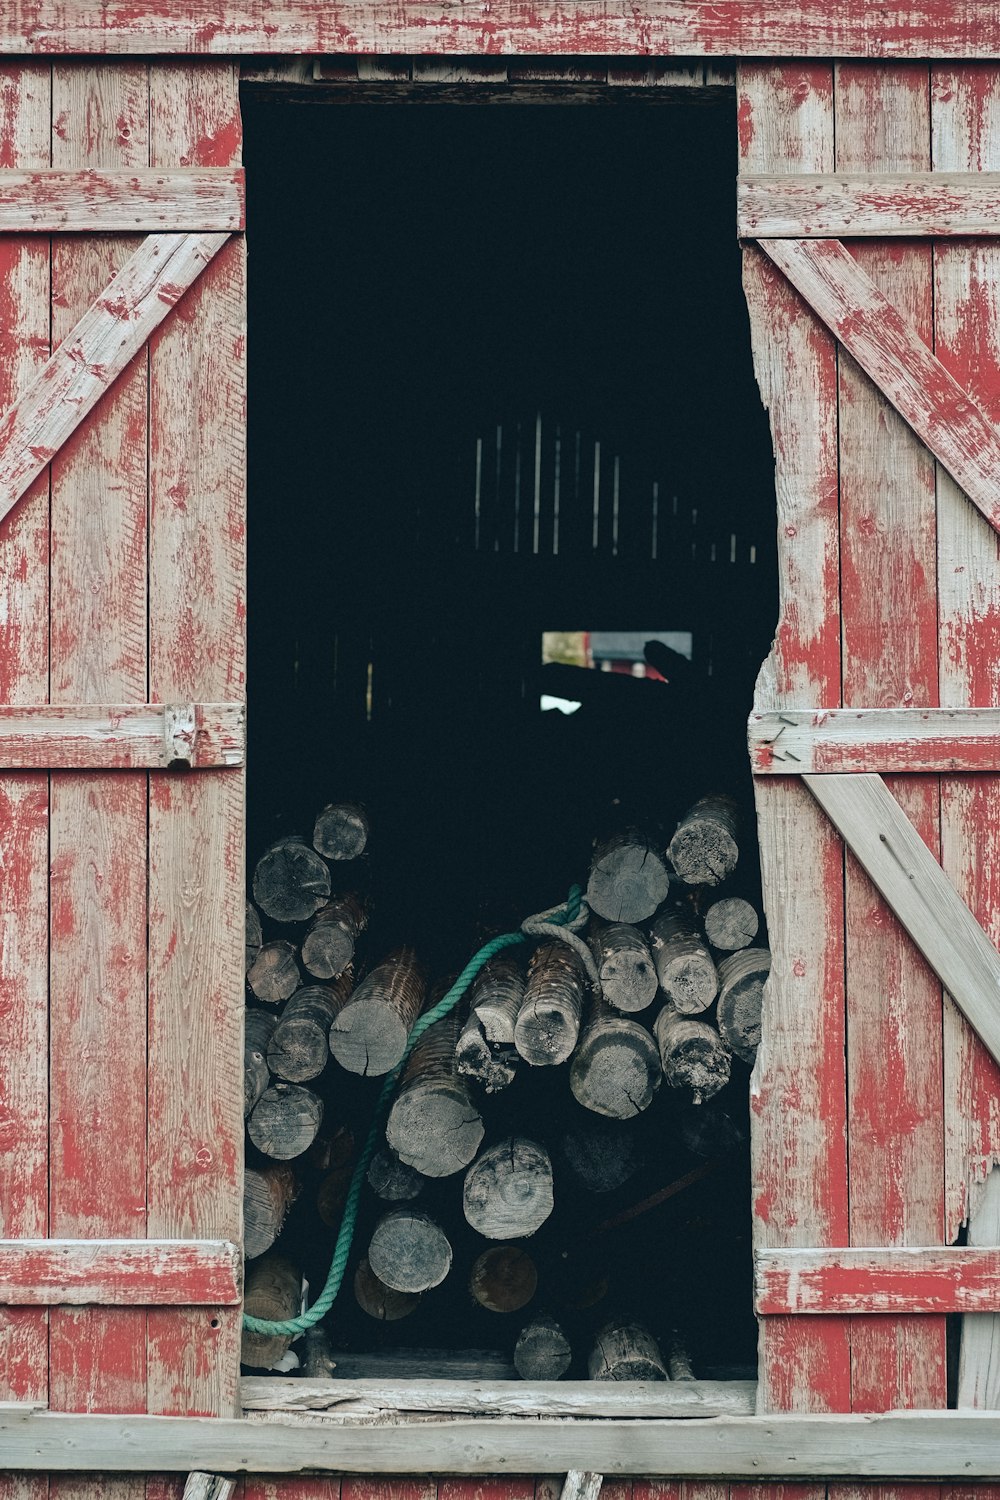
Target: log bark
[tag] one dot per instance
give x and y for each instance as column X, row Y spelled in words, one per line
column 542, row 1351
column 433, row 1124
column 507, row 1193
column 380, row 1301
column 370, row 1030
column 731, row 924
column 626, row 1351
column 290, row 881
column 254, row 935
column 693, row 1055
column 625, row 966
column 503, row 1279
column 329, row 944
column 628, row 878
column 274, row 1291
column 392, row 1180
column 704, row 848
column 408, row 1251
column 274, row 974
column 257, row 1028
column 300, row 1043
column 486, row 1048
column 548, row 1023
column 742, row 977
column 684, row 964
column 268, row 1193
column 616, row 1067
column 285, row 1121
column 601, row 1153
column 341, row 831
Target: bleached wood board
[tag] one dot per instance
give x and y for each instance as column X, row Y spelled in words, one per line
column 892, row 354
column 201, row 1486
column 890, row 1279
column 345, row 1399
column 899, row 1445
column 874, row 739
column 105, row 201
column 902, row 867
column 865, row 205
column 119, row 1273
column 94, row 352
column 124, row 736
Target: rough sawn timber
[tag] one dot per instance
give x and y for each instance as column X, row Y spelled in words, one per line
column 874, row 739
column 119, row 1273
column 108, row 202
column 124, row 736
column 856, row 205
column 893, row 1279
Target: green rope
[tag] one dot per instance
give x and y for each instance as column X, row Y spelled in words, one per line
column 345, row 1235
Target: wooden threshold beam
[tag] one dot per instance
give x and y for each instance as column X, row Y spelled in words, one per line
column 822, row 741
column 837, row 206
column 898, row 1280
column 123, row 736
column 120, row 1273
column 51, row 201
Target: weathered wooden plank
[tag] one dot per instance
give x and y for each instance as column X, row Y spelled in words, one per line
column 201, row 1486
column 197, row 611
column 785, row 116
column 349, row 1399
column 897, row 1446
column 119, row 1273
column 683, row 28
column 891, row 352
column 122, row 736
column 94, row 352
column 858, row 206
column 52, row 202
column 874, row 739
column 891, row 1279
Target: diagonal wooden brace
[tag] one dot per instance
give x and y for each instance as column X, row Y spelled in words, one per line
column 93, row 355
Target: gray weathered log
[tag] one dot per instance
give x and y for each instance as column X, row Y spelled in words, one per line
column 731, row 924
column 433, row 1125
column 257, row 1028
column 273, row 1291
column 392, row 1180
column 290, row 881
column 485, row 1049
column 300, row 1043
column 616, row 1066
column 341, row 831
column 542, row 1351
column 285, row 1121
column 507, row 1192
column 318, row 1362
column 742, row 977
column 602, row 1154
column 408, row 1251
column 679, row 1360
column 274, row 974
column 268, row 1193
column 625, row 966
column 693, row 1055
column 254, row 935
column 494, row 1066
column 503, row 1279
column 329, row 944
column 370, row 1030
column 626, row 1351
column 704, row 849
column 548, row 1023
column 684, row 964
column 628, row 878
column 379, row 1301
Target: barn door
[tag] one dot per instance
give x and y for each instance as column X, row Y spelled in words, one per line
column 878, row 1108
column 121, row 676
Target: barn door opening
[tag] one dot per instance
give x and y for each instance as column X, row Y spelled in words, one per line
column 502, row 396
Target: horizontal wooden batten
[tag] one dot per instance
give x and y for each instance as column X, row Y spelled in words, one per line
column 897, row 1280
column 900, row 1445
column 182, row 199
column 874, row 739
column 131, row 736
column 120, row 1273
column 747, row 28
column 923, row 204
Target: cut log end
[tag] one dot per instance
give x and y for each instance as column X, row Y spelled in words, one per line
column 601, row 1153
column 379, row 1301
column 392, row 1180
column 370, row 1030
column 341, row 831
column 625, row 966
column 274, row 974
column 508, row 1191
column 268, row 1193
column 626, row 1351
column 299, row 1048
column 693, row 1055
column 328, row 946
column 548, row 1023
column 409, row 1252
column 542, row 1351
column 273, row 1291
column 742, row 977
column 285, row 1121
column 704, row 850
column 628, row 879
column 684, row 964
column 616, row 1068
column 290, row 881
column 503, row 1279
column 731, row 924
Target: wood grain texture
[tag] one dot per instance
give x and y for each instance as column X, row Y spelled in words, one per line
column 891, row 1280
column 102, row 201
column 197, row 638
column 874, row 739
column 858, row 206
column 123, row 736
column 798, row 1141
column 118, row 1273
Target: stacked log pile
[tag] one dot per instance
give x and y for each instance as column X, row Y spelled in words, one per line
column 533, row 1091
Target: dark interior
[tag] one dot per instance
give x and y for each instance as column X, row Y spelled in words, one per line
column 420, row 277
